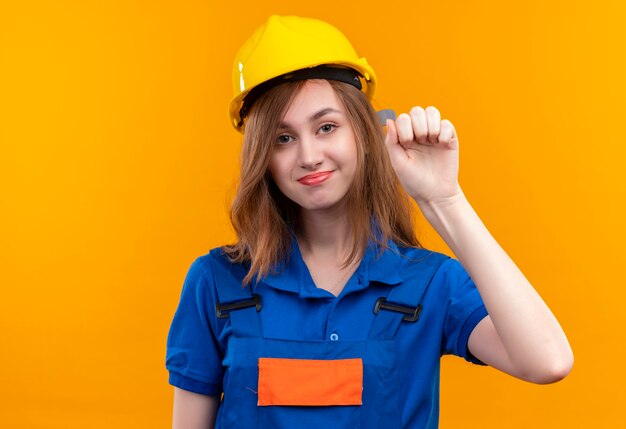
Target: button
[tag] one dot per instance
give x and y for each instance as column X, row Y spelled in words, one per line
column 334, row 337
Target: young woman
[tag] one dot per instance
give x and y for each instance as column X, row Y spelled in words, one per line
column 327, row 312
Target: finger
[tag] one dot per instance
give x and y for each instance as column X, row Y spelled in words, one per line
column 447, row 136
column 404, row 129
column 420, row 126
column 433, row 117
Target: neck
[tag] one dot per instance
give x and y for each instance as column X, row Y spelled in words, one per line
column 325, row 233
column 325, row 241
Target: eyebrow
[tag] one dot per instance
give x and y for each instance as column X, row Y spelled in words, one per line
column 314, row 116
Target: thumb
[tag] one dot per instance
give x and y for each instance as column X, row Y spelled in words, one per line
column 394, row 148
column 391, row 138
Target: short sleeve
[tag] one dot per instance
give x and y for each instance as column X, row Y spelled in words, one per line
column 465, row 309
column 193, row 354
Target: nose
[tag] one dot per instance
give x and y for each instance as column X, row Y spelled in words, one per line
column 311, row 154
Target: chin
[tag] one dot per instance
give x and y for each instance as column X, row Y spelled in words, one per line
column 321, row 205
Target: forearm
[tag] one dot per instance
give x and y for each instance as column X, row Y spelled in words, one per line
column 533, row 340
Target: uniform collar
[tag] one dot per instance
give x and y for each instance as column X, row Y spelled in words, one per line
column 383, row 267
column 287, row 274
column 292, row 274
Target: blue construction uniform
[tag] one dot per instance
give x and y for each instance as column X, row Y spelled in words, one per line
column 286, row 316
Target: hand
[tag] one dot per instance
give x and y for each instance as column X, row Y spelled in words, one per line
column 424, row 152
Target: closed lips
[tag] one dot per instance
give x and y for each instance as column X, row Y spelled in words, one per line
column 315, row 177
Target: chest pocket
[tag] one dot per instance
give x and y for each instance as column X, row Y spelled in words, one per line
column 325, row 384
column 318, row 393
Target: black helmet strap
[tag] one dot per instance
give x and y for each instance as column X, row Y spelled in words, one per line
column 341, row 74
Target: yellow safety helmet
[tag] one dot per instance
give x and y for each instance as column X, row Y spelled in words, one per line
column 290, row 48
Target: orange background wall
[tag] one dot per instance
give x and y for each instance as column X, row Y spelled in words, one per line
column 117, row 161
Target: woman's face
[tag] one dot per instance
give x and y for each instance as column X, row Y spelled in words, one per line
column 314, row 159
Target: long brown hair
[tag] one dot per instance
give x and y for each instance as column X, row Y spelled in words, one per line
column 264, row 219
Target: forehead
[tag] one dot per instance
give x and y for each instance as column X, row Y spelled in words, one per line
column 315, row 95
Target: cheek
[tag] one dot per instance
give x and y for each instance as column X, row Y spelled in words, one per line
column 271, row 168
column 354, row 169
column 277, row 167
column 350, row 155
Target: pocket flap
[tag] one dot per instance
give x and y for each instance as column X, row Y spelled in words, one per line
column 310, row 382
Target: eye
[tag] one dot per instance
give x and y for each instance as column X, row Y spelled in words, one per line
column 327, row 128
column 283, row 139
